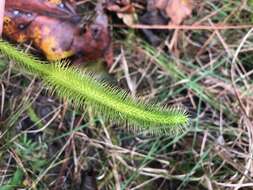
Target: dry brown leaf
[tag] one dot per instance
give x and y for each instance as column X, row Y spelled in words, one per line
column 177, row 10
column 53, row 28
column 124, row 9
column 128, row 19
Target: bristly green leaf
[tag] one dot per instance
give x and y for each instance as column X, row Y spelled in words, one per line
column 115, row 105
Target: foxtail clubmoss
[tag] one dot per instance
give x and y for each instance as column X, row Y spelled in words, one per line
column 112, row 103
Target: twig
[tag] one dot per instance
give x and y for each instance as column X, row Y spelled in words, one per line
column 191, row 27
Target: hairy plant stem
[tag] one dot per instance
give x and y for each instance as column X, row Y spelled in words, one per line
column 115, row 105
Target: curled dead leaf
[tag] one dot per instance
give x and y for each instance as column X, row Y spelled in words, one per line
column 52, row 27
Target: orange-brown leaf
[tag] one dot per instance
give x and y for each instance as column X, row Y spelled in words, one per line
column 51, row 26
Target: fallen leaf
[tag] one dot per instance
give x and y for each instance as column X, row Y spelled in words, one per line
column 119, row 7
column 47, row 7
column 128, row 19
column 124, row 10
column 53, row 28
column 177, row 10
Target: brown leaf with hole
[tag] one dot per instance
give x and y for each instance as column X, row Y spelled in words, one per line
column 53, row 27
column 177, row 10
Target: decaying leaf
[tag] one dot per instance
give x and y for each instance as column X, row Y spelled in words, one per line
column 123, row 8
column 177, row 10
column 119, row 6
column 128, row 19
column 48, row 7
column 52, row 26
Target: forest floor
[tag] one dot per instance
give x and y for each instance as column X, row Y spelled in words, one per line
column 46, row 143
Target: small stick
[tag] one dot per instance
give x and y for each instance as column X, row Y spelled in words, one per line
column 2, row 6
column 189, row 27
